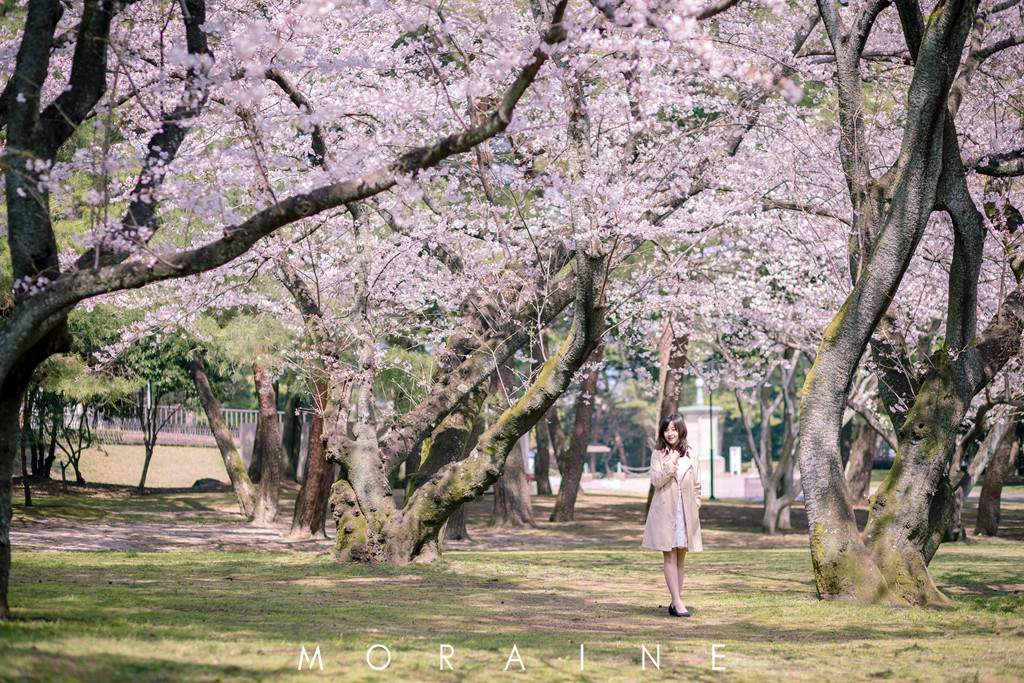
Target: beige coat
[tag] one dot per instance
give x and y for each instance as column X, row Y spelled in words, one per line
column 661, row 520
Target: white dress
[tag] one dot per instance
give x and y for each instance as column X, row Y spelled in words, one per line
column 679, row 537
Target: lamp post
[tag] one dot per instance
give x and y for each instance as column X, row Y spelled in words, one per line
column 711, row 441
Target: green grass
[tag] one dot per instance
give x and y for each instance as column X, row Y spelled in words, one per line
column 241, row 616
column 171, row 466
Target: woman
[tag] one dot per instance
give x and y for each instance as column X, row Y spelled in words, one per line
column 673, row 525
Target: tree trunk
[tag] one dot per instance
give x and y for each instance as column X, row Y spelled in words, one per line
column 455, row 527
column 512, row 494
column 992, row 487
column 890, row 217
column 255, row 471
column 370, row 527
column 512, row 505
column 986, row 451
column 12, row 390
column 270, row 441
column 9, row 406
column 25, row 436
column 542, row 459
column 147, row 417
column 245, row 492
column 862, row 458
column 916, row 496
column 317, row 474
column 291, row 437
column 452, row 441
column 572, row 471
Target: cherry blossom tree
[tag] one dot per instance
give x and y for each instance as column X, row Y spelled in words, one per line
column 895, row 185
column 73, row 73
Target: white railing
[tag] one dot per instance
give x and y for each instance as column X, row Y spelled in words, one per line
column 179, row 426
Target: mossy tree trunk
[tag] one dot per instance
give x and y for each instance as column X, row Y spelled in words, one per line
column 34, row 327
column 370, row 526
column 245, row 492
column 898, row 530
column 455, row 527
column 890, row 214
column 446, row 445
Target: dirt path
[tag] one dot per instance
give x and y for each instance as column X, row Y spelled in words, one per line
column 601, row 521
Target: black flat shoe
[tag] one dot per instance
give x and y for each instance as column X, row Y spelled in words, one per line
column 676, row 613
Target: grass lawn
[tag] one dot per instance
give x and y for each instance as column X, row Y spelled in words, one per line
column 171, row 466
column 245, row 615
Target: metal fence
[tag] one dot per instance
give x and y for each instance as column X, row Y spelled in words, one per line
column 180, row 426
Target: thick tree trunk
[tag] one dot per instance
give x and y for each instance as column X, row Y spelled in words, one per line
column 451, row 441
column 891, row 214
column 245, row 492
column 992, row 487
column 370, row 527
column 12, row 390
column 916, row 497
column 862, row 458
column 572, row 471
column 270, row 472
column 843, row 568
column 455, row 527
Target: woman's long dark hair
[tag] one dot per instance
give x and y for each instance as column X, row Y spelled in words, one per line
column 680, row 425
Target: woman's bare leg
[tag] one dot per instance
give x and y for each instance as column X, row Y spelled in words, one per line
column 672, row 578
column 680, row 558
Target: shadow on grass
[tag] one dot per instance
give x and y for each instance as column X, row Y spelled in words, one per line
column 35, row 664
